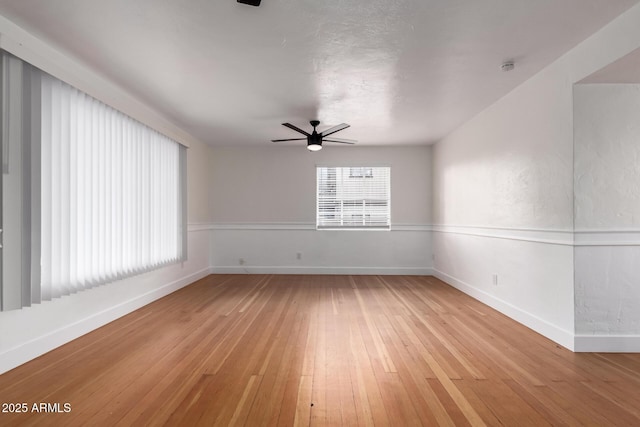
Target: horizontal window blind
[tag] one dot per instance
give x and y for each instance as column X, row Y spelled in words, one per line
column 111, row 193
column 353, row 197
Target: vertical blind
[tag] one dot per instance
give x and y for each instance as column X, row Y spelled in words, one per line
column 111, row 202
column 353, row 197
column 106, row 193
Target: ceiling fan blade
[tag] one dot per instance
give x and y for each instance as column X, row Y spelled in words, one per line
column 297, row 129
column 346, row 141
column 288, row 139
column 334, row 129
column 340, row 140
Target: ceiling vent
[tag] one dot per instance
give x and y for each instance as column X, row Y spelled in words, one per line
column 250, row 2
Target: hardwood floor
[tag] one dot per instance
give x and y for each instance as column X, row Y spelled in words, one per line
column 322, row 350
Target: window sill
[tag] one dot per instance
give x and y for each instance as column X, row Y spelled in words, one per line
column 386, row 228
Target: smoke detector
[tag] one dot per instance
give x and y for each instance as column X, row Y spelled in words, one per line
column 508, row 66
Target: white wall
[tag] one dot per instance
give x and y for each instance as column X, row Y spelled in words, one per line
column 607, row 209
column 510, row 170
column 607, row 154
column 263, row 207
column 277, row 183
column 199, row 180
column 507, row 174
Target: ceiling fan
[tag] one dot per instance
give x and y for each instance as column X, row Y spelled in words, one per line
column 315, row 139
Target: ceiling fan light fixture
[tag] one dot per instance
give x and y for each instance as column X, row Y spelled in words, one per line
column 314, row 146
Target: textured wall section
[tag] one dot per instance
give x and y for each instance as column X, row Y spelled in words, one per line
column 607, row 156
column 511, row 165
column 607, row 201
column 607, row 290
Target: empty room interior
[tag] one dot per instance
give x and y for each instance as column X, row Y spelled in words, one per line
column 286, row 212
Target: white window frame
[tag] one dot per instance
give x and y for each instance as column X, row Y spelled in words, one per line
column 369, row 189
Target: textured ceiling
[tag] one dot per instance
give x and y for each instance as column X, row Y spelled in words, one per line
column 399, row 71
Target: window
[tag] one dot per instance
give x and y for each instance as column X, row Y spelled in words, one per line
column 103, row 195
column 353, row 198
column 360, row 172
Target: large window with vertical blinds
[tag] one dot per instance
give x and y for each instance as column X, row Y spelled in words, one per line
column 102, row 196
column 353, row 197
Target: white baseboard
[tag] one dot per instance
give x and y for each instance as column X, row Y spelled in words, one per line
column 607, row 343
column 27, row 351
column 255, row 269
column 554, row 333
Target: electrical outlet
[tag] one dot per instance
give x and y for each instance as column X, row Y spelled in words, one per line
column 241, row 261
column 495, row 280
column 299, row 255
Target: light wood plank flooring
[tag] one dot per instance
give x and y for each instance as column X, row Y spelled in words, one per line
column 324, row 351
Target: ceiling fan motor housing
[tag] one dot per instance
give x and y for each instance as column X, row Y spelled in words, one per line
column 314, row 141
